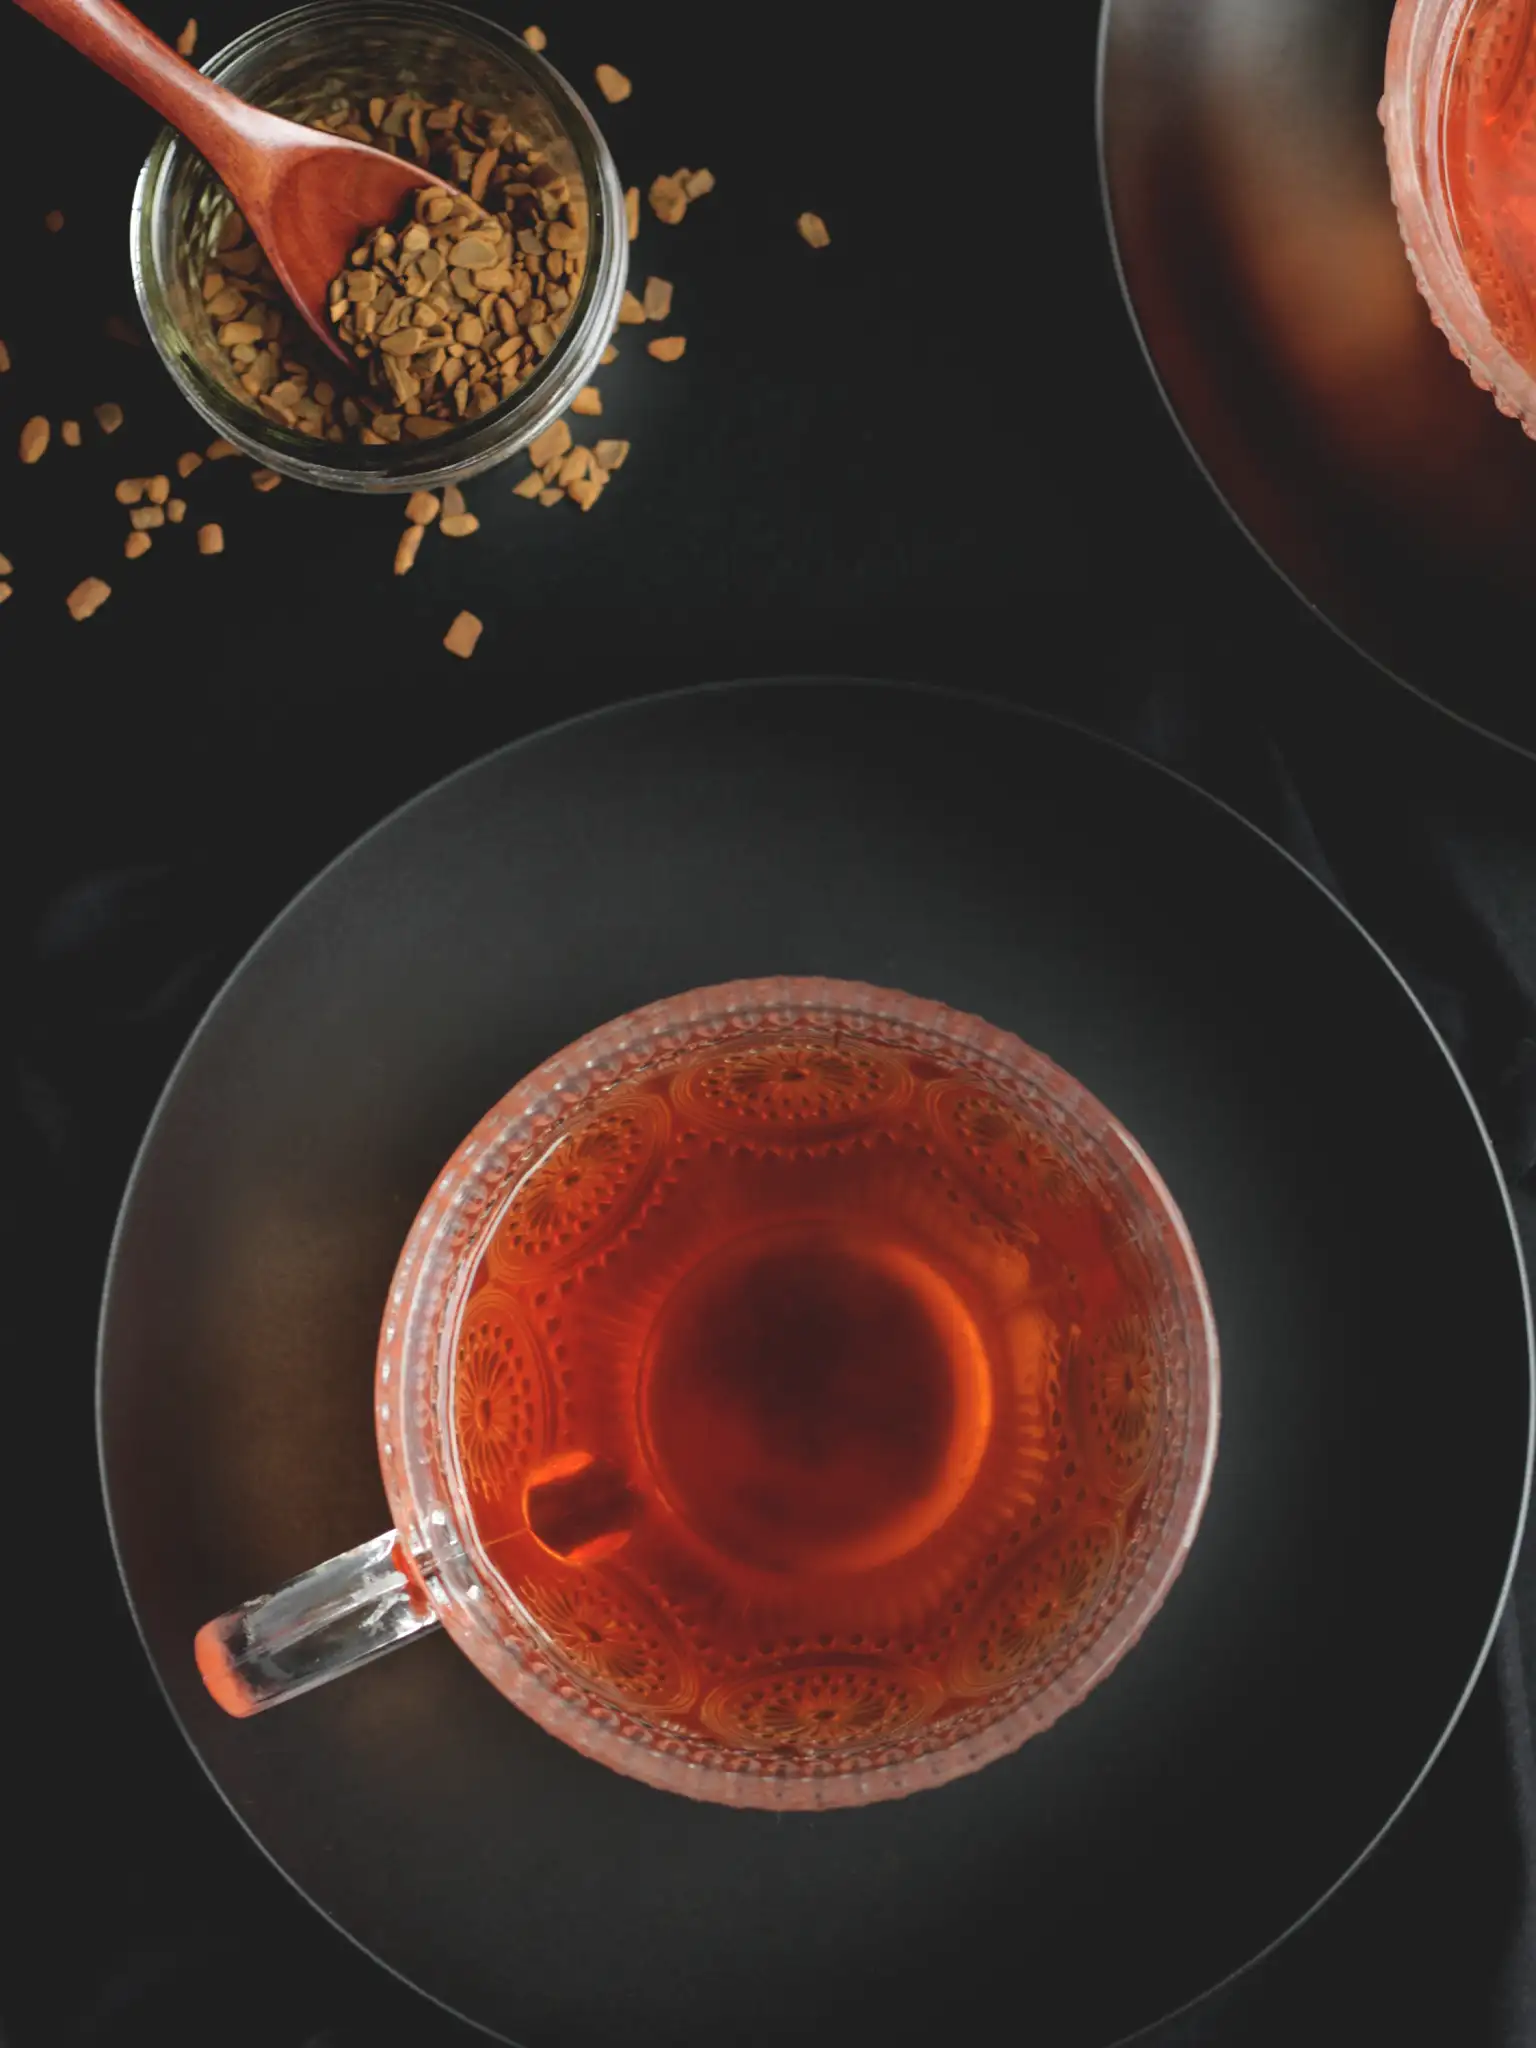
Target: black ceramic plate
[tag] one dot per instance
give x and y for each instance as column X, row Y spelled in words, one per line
column 1248, row 197
column 1377, row 1387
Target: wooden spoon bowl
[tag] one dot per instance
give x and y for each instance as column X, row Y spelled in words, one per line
column 307, row 197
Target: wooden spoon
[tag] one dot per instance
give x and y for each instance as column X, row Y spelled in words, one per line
column 307, row 197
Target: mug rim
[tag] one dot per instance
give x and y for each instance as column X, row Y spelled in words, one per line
column 413, row 1377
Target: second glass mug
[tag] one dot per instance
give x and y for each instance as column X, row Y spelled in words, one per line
column 606, row 1667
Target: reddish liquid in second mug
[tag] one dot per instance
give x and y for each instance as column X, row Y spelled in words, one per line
column 1489, row 138
column 804, row 1395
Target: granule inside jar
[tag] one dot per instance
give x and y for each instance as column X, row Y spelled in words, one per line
column 435, row 340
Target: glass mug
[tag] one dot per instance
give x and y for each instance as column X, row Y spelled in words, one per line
column 793, row 1394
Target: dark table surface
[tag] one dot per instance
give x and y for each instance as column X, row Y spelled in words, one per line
column 931, row 450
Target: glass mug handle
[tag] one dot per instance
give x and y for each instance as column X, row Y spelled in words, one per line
column 331, row 1619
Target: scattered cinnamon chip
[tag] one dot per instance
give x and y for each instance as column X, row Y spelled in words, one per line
column 186, row 42
column 265, row 479
column 552, row 496
column 609, row 355
column 611, row 454
column 109, row 417
column 667, row 347
column 453, row 503
column 697, row 183
column 210, row 540
column 535, row 38
column 462, row 636
column 631, row 312
column 406, row 548
column 6, row 566
column 136, row 544
column 143, row 517
column 632, row 211
column 530, row 486
column 669, row 202
column 457, row 524
column 5, row 591
column 421, row 508
column 34, row 439
column 185, row 464
column 813, row 229
column 613, row 85
column 69, row 433
column 129, row 490
column 5, row 358
column 53, row 221
column 588, row 401
column 658, row 298
column 88, row 597
column 157, row 489
column 175, row 510
column 553, row 441
column 218, row 450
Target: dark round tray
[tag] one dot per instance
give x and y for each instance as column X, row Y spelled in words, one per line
column 1353, row 1227
column 1246, row 183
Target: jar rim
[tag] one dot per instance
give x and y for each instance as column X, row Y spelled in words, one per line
column 468, row 449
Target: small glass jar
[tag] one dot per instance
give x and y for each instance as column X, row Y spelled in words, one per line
column 302, row 64
column 1428, row 41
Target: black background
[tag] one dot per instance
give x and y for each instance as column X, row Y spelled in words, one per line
column 931, row 450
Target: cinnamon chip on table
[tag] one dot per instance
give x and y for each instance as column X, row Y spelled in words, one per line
column 5, row 354
column 667, row 347
column 35, row 434
column 186, row 42
column 136, row 544
column 535, row 38
column 88, row 597
column 462, row 635
column 109, row 417
column 265, row 479
column 554, row 441
column 632, row 211
column 658, row 298
column 631, row 312
column 210, row 540
column 406, row 549
column 185, row 464
column 669, row 202
column 588, row 401
column 813, row 229
column 611, row 454
column 69, row 433
column 53, row 221
column 612, row 84
column 697, row 183
column 421, row 508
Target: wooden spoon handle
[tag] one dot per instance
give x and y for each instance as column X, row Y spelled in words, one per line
column 219, row 126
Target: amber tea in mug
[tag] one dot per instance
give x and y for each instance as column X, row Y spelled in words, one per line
column 824, row 1396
